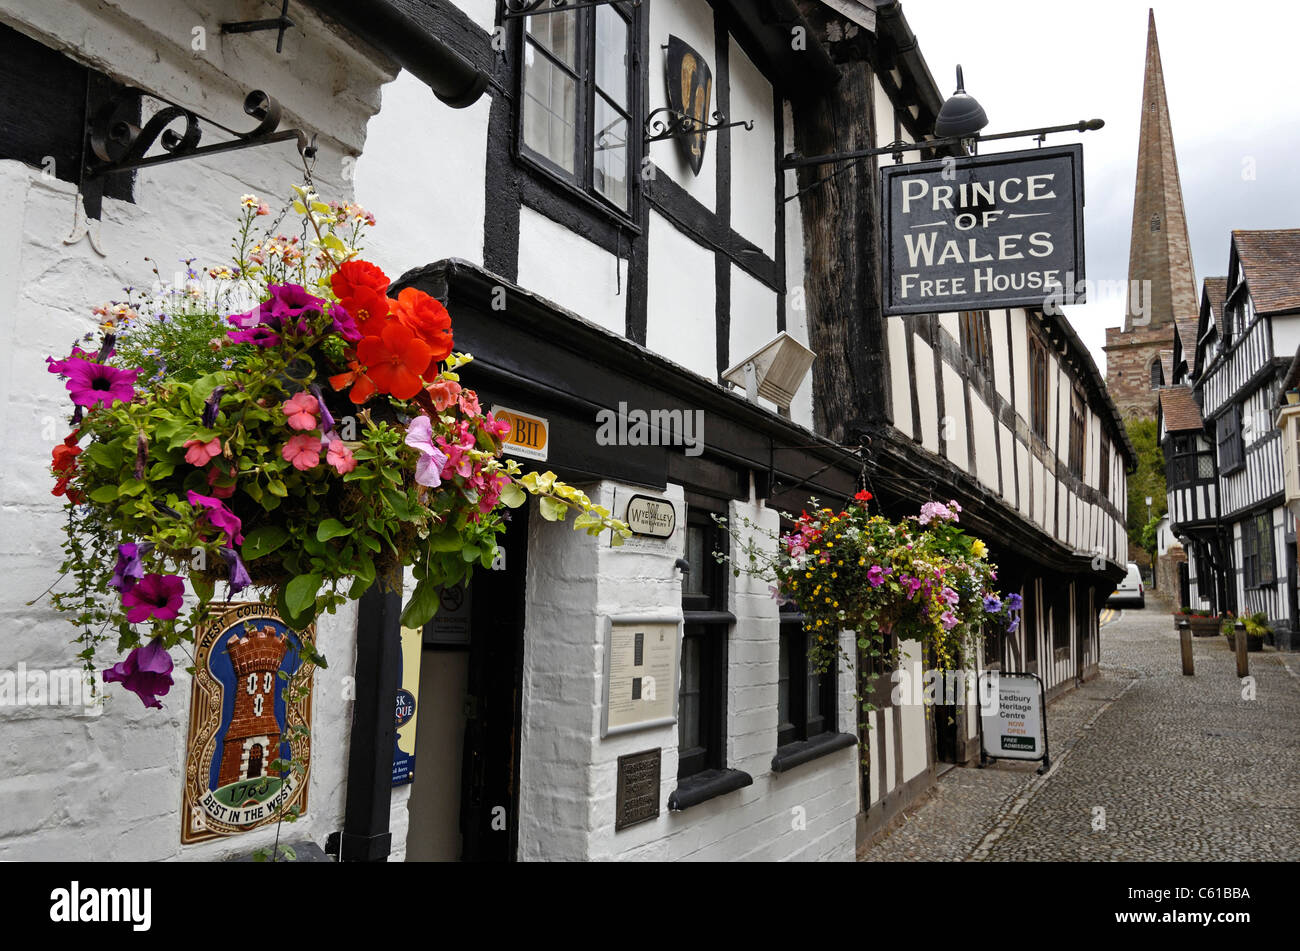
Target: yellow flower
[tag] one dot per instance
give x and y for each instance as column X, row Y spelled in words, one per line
column 979, row 549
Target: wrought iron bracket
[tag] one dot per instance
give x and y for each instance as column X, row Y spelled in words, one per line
column 514, row 9
column 668, row 123
column 281, row 23
column 119, row 145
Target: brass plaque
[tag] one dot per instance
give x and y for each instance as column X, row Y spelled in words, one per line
column 637, row 797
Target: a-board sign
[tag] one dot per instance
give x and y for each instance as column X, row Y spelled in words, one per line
column 984, row 231
column 1014, row 726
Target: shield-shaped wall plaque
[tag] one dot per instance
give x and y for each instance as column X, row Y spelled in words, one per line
column 690, row 86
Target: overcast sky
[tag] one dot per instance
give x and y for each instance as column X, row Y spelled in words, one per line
column 1232, row 75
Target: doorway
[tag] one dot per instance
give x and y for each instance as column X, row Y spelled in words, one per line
column 465, row 798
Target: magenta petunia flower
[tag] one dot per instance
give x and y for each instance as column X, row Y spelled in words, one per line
column 257, row 336
column 94, row 384
column 129, row 568
column 948, row 620
column 156, row 596
column 302, row 452
column 146, row 672
column 876, row 575
column 219, row 517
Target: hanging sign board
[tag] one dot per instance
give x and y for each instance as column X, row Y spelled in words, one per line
column 1014, row 726
column 246, row 711
column 690, row 85
column 640, row 673
column 529, row 435
column 985, row 231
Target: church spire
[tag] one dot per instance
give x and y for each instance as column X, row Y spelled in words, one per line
column 1159, row 249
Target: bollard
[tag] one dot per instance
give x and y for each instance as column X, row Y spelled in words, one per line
column 1185, row 639
column 1239, row 637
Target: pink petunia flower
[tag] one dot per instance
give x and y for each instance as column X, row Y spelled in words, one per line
column 419, row 435
column 301, row 410
column 876, row 575
column 302, row 451
column 146, row 672
column 200, row 453
column 948, row 620
column 156, row 596
column 340, row 456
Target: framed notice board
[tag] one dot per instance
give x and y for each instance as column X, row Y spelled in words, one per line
column 641, row 658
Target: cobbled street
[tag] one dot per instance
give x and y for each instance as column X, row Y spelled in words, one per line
column 1147, row 764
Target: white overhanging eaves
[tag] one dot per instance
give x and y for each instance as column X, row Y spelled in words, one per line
column 861, row 12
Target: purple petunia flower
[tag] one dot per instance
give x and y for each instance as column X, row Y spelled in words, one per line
column 326, row 420
column 147, row 672
column 876, row 575
column 344, row 325
column 992, row 604
column 211, row 407
column 1014, row 602
column 93, row 384
column 258, row 336
column 238, row 578
column 129, row 568
column 219, row 517
column 156, row 596
column 285, row 310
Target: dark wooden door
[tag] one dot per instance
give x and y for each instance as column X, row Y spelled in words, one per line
column 489, row 809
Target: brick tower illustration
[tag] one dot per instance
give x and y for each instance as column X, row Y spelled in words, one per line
column 1161, row 281
column 253, row 737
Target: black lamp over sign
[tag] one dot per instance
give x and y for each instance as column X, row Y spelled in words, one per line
column 961, row 115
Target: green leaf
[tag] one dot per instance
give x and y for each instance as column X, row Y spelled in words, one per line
column 105, row 493
column 447, row 541
column 263, row 541
column 553, row 510
column 512, row 496
column 300, row 594
column 331, row 528
column 204, row 587
column 276, row 487
column 422, row 606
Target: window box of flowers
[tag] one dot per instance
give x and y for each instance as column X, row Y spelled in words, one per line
column 1202, row 622
column 1256, row 626
column 282, row 424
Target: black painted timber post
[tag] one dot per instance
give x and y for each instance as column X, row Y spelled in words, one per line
column 365, row 836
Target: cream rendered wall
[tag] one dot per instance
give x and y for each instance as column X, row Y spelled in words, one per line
column 753, row 318
column 753, row 170
column 109, row 786
column 927, row 400
column 900, row 381
column 691, row 21
column 796, row 306
column 592, row 282
column 954, row 421
column 680, row 309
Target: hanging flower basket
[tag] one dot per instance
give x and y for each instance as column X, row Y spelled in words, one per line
column 280, row 423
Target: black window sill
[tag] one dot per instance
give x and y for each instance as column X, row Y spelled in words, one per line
column 707, row 785
column 803, row 751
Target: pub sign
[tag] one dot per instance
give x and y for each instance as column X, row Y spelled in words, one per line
column 690, row 87
column 985, row 231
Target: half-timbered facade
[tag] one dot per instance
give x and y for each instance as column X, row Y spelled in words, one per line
column 1248, row 331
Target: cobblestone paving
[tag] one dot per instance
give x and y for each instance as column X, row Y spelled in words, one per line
column 1184, row 767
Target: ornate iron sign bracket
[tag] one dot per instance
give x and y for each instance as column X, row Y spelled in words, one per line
column 513, row 9
column 281, row 23
column 668, row 123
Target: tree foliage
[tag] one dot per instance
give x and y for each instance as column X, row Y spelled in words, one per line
column 1148, row 479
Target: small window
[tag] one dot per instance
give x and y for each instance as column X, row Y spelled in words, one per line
column 1078, row 434
column 1155, row 223
column 805, row 699
column 576, row 121
column 1257, row 557
column 1038, row 386
column 1103, row 472
column 1157, row 374
column 975, row 339
column 1232, row 454
column 701, row 703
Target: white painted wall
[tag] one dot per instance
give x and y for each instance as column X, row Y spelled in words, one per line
column 109, row 787
column 692, row 21
column 423, row 176
column 796, row 306
column 753, row 169
column 592, row 282
column 681, row 301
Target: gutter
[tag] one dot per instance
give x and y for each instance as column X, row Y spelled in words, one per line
column 453, row 79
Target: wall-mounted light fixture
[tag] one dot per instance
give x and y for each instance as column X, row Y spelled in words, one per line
column 775, row 371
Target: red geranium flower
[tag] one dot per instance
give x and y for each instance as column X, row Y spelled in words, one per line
column 362, row 386
column 428, row 320
column 362, row 289
column 864, row 496
column 395, row 360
